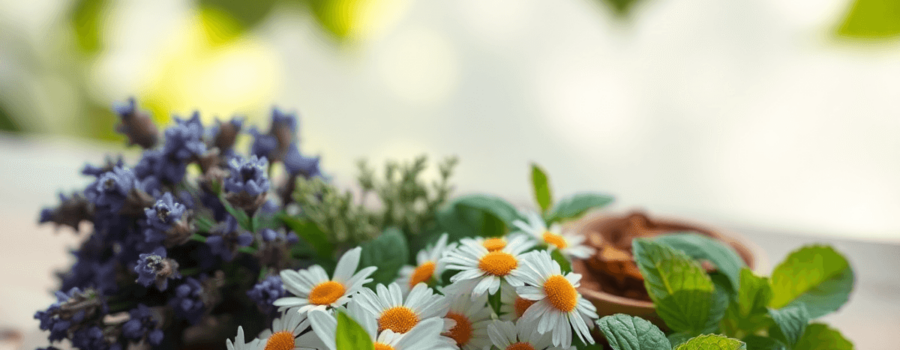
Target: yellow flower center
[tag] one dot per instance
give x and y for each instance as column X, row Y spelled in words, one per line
column 462, row 331
column 560, row 293
column 380, row 346
column 494, row 244
column 498, row 263
column 520, row 346
column 326, row 293
column 283, row 340
column 399, row 319
column 522, row 304
column 422, row 273
column 555, row 239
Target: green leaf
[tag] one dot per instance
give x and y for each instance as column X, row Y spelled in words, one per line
column 749, row 312
column 541, row 186
column 388, row 252
column 756, row 342
column 817, row 276
column 564, row 264
column 495, row 301
column 870, row 19
column 310, row 233
column 241, row 216
column 625, row 332
column 476, row 215
column 820, row 337
column 684, row 296
column 350, row 335
column 677, row 339
column 576, row 205
column 700, row 247
column 247, row 13
column 87, row 18
column 712, row 342
column 791, row 321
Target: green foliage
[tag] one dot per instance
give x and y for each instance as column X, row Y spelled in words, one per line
column 624, row 332
column 682, row 292
column 86, row 18
column 476, row 215
column 748, row 313
column 872, row 19
column 389, row 252
column 820, row 337
column 350, row 335
column 574, row 206
column 677, row 339
column 700, row 247
column 712, row 342
column 564, row 264
column 791, row 322
column 756, row 342
column 542, row 194
column 311, row 234
column 241, row 216
column 621, row 8
column 817, row 276
column 247, row 13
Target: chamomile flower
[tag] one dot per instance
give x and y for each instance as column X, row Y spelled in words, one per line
column 570, row 245
column 399, row 315
column 481, row 270
column 506, row 335
column 239, row 343
column 424, row 335
column 312, row 289
column 512, row 306
column 472, row 318
column 286, row 331
column 429, row 265
column 559, row 308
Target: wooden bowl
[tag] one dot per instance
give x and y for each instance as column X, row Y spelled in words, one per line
column 609, row 304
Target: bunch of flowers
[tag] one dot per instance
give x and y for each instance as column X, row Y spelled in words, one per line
column 196, row 240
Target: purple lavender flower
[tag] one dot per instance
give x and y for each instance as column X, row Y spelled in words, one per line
column 71, row 211
column 274, row 145
column 136, row 125
column 248, row 176
column 266, row 292
column 188, row 300
column 92, row 338
column 184, row 141
column 155, row 164
column 227, row 238
column 224, row 134
column 155, row 268
column 96, row 171
column 142, row 324
column 300, row 165
column 111, row 189
column 70, row 310
column 167, row 221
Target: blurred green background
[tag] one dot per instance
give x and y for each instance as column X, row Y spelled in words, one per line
column 770, row 114
column 217, row 40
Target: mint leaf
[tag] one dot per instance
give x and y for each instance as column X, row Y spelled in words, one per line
column 350, row 335
column 817, row 276
column 241, row 216
column 700, row 247
column 748, row 313
column 310, row 233
column 388, row 252
column 541, row 186
column 684, row 296
column 791, row 321
column 677, row 339
column 476, row 215
column 755, row 342
column 712, row 342
column 625, row 332
column 576, row 205
column 564, row 264
column 820, row 337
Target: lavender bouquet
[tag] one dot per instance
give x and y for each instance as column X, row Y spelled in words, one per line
column 197, row 242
